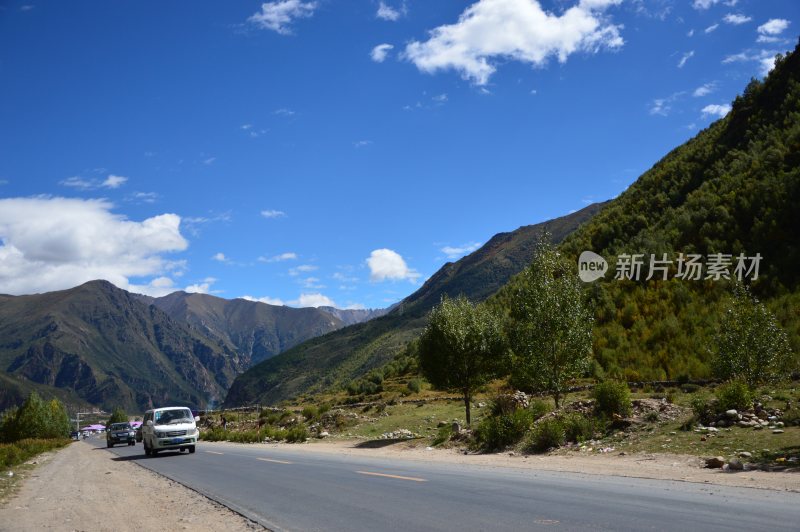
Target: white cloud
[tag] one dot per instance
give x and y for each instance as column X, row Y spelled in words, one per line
column 719, row 110
column 279, row 258
column 209, row 161
column 764, row 58
column 283, row 112
column 387, row 12
column 265, row 299
column 220, row 257
column 774, row 26
column 52, row 243
column 362, row 143
column 158, row 287
column 663, row 106
column 736, row 19
column 114, row 181
column 704, row 90
column 705, row 4
column 711, row 28
column 312, row 300
column 312, row 282
column 690, row 33
column 279, row 16
column 303, row 268
column 454, row 252
column 685, row 57
column 380, row 52
column 143, row 197
column 385, row 264
column 203, row 287
column 440, row 98
column 272, row 214
column 520, row 30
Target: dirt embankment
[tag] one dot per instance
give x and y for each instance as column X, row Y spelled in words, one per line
column 84, row 488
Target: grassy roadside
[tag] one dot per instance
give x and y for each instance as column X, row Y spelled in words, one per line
column 17, row 460
column 422, row 416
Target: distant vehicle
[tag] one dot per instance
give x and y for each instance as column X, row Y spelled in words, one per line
column 75, row 435
column 120, row 433
column 171, row 428
column 139, row 433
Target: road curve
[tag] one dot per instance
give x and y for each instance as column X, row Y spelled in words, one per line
column 285, row 489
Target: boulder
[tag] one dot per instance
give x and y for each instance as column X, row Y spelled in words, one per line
column 735, row 465
column 732, row 413
column 715, row 463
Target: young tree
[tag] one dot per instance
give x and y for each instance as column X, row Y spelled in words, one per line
column 550, row 326
column 118, row 416
column 750, row 344
column 462, row 347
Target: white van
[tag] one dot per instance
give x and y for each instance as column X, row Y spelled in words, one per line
column 170, row 428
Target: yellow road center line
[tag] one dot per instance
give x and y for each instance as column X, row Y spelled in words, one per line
column 213, row 452
column 414, row 479
column 274, row 461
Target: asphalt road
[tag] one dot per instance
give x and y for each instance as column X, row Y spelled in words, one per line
column 285, row 489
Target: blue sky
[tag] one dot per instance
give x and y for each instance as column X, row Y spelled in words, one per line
column 310, row 152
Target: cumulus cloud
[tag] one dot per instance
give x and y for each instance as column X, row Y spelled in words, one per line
column 279, row 16
column 770, row 30
column 53, row 243
column 454, row 252
column 764, row 58
column 312, row 300
column 719, row 110
column 114, row 181
column 387, row 12
column 268, row 300
column 203, row 287
column 220, row 257
column 273, row 214
column 494, row 30
column 380, row 52
column 385, row 264
column 704, row 90
column 736, row 19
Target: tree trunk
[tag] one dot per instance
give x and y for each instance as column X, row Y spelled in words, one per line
column 556, row 397
column 467, row 401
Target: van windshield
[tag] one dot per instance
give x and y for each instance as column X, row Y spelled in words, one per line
column 168, row 417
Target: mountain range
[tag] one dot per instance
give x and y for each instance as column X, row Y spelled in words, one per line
column 98, row 344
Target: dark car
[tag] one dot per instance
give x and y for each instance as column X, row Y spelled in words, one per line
column 75, row 435
column 120, row 433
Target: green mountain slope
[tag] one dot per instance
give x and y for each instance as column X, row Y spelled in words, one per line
column 338, row 357
column 734, row 188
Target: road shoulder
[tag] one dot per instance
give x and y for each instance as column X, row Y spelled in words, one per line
column 85, row 488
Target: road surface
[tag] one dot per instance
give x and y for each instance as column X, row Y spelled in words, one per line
column 285, row 489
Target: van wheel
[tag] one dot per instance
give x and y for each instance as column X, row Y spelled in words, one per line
column 191, row 449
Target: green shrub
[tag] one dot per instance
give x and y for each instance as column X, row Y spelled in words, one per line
column 791, row 417
column 652, row 417
column 414, row 385
column 733, row 395
column 497, row 432
column 612, row 397
column 547, row 434
column 577, row 428
column 310, row 412
column 703, row 408
column 443, row 435
column 538, row 408
column 297, row 434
